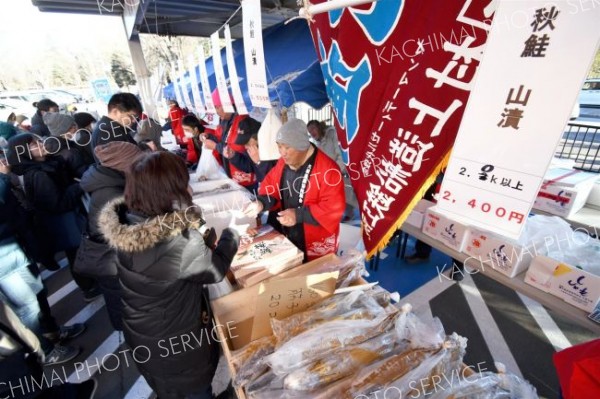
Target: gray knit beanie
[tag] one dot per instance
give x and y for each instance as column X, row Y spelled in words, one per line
column 58, row 123
column 294, row 134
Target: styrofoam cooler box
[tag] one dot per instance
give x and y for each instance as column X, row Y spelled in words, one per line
column 499, row 253
column 573, row 285
column 417, row 215
column 449, row 231
column 564, row 191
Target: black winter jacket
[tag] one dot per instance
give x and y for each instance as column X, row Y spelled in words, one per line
column 38, row 126
column 103, row 185
column 163, row 266
column 75, row 157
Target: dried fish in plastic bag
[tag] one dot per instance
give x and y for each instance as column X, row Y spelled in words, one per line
column 324, row 339
column 248, row 361
column 424, row 380
column 377, row 376
column 342, row 363
column 332, row 308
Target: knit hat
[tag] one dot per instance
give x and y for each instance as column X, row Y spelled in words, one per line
column 83, row 119
column 7, row 130
column 247, row 128
column 118, row 155
column 58, row 123
column 294, row 134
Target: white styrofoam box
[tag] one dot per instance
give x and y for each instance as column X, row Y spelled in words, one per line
column 573, row 285
column 499, row 253
column 594, row 197
column 417, row 215
column 235, row 200
column 564, row 191
column 448, row 231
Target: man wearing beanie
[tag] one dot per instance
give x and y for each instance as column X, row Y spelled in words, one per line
column 223, row 141
column 306, row 190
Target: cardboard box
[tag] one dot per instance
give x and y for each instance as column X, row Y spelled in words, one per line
column 574, row 286
column 417, row 215
column 564, row 191
column 447, row 230
column 499, row 253
column 234, row 313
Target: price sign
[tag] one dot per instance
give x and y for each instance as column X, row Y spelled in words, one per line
column 284, row 297
column 515, row 116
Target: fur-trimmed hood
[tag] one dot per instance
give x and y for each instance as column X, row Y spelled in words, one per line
column 135, row 236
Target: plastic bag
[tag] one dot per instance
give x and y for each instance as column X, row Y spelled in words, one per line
column 420, row 334
column 208, row 167
column 267, row 134
column 417, row 382
column 542, row 232
column 341, row 364
column 248, row 361
column 353, row 305
column 324, row 339
column 583, row 251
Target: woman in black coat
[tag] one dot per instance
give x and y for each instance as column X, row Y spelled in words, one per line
column 164, row 263
column 56, row 199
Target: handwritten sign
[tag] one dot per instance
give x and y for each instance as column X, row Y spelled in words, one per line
column 282, row 298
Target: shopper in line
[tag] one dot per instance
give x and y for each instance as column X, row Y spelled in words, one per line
column 306, row 190
column 61, row 144
column 105, row 182
column 164, row 263
column 21, row 360
column 119, row 124
column 37, row 122
column 83, row 137
column 56, row 200
column 21, row 287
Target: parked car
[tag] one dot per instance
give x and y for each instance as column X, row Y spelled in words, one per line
column 590, row 93
column 8, row 107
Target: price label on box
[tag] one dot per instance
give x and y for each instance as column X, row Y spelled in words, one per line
column 284, row 297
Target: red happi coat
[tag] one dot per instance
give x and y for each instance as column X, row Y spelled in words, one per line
column 325, row 199
column 241, row 177
column 176, row 115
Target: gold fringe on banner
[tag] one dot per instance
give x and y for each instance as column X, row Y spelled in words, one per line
column 418, row 196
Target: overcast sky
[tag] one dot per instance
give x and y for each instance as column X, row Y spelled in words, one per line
column 24, row 28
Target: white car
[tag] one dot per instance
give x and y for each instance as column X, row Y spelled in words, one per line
column 590, row 93
column 8, row 107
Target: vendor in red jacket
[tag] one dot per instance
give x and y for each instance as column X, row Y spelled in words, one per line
column 306, row 189
column 223, row 143
column 176, row 115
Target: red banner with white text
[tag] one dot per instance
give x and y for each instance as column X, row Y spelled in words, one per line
column 398, row 75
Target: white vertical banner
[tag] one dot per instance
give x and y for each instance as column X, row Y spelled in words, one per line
column 158, row 79
column 233, row 76
column 198, row 103
column 254, row 54
column 536, row 58
column 184, row 89
column 220, row 74
column 176, row 88
column 206, row 91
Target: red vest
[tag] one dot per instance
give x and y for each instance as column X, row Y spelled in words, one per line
column 240, row 177
column 176, row 116
column 324, row 197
